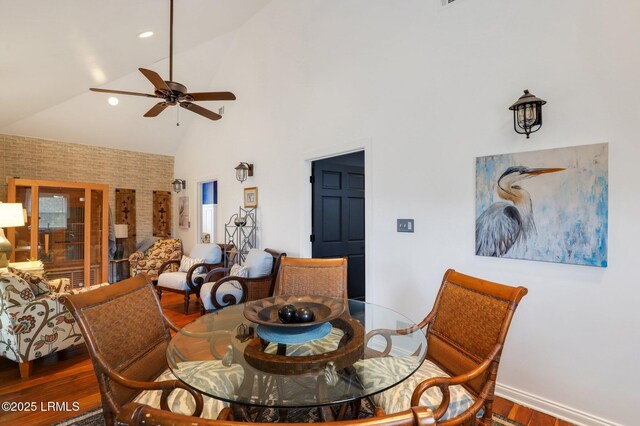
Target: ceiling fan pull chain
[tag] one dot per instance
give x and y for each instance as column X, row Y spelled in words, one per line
column 177, row 116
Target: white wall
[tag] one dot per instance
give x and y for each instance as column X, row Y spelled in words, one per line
column 429, row 87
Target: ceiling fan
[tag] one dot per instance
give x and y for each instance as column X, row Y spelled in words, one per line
column 172, row 92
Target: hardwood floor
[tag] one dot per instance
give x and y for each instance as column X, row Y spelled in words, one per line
column 67, row 378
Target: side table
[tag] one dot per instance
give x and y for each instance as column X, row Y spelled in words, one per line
column 115, row 270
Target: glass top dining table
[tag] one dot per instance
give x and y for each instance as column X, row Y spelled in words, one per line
column 226, row 356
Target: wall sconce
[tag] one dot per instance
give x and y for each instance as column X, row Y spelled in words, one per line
column 527, row 114
column 243, row 170
column 179, row 185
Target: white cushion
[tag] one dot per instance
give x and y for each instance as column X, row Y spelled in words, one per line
column 211, row 253
column 229, row 287
column 259, row 263
column 175, row 280
column 374, row 371
column 187, row 262
column 213, row 373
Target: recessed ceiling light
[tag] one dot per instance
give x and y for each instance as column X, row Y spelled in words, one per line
column 113, row 101
column 145, row 34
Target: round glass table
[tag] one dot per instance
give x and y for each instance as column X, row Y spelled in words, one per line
column 226, row 356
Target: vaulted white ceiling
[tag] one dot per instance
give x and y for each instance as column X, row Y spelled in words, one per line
column 54, row 51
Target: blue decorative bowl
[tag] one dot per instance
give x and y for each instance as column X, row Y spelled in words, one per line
column 293, row 336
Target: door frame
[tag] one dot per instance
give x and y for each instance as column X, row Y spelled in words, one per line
column 198, row 209
column 306, row 209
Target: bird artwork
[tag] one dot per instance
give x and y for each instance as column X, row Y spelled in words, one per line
column 507, row 223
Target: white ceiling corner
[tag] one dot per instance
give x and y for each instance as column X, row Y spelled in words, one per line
column 54, row 51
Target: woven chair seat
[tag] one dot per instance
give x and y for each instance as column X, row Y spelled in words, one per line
column 398, row 398
column 212, row 373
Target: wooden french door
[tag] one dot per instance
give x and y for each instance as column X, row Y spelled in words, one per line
column 67, row 227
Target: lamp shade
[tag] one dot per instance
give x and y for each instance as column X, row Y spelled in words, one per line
column 122, row 231
column 11, row 215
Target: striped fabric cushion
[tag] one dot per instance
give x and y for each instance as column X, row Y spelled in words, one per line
column 398, row 398
column 211, row 374
column 187, row 262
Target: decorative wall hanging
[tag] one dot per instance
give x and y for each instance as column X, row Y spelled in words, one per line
column 183, row 212
column 251, row 197
column 161, row 214
column 126, row 209
column 549, row 205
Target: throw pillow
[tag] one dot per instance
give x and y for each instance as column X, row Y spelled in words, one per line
column 39, row 285
column 239, row 271
column 187, row 262
column 259, row 263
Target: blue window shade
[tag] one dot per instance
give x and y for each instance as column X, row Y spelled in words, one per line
column 210, row 192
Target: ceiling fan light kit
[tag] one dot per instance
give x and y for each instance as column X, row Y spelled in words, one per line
column 173, row 93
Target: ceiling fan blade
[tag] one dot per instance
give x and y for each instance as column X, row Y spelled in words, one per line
column 211, row 96
column 156, row 80
column 199, row 110
column 156, row 109
column 120, row 92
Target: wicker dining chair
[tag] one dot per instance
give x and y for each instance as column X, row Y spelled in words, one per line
column 127, row 337
column 466, row 331
column 318, row 277
column 138, row 415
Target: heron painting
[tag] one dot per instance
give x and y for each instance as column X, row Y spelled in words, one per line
column 549, row 205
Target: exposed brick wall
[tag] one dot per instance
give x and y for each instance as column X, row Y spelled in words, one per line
column 32, row 158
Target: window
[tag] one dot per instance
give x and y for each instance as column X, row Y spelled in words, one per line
column 53, row 211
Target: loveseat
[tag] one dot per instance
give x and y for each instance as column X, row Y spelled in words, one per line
column 33, row 323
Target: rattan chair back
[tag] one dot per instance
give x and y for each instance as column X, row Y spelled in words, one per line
column 137, row 414
column 472, row 316
column 123, row 327
column 318, row 277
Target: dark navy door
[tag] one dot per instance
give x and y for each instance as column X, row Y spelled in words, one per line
column 338, row 215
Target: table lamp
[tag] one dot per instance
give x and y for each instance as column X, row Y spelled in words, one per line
column 11, row 215
column 122, row 232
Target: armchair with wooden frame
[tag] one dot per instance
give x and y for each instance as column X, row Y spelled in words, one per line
column 188, row 282
column 215, row 292
column 137, row 415
column 127, row 336
column 466, row 331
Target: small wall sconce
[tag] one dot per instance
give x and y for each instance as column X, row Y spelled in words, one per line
column 243, row 170
column 527, row 114
column 179, row 185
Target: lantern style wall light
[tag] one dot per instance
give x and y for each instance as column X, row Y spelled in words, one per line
column 179, row 185
column 527, row 114
column 243, row 170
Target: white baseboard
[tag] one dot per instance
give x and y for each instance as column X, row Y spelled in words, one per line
column 554, row 409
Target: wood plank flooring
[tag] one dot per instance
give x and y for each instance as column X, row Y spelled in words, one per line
column 67, row 378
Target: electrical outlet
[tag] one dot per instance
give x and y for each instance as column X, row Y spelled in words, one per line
column 405, row 225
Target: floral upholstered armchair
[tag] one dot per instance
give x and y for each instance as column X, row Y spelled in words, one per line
column 151, row 261
column 33, row 322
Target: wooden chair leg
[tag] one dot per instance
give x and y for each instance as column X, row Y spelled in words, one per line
column 186, row 302
column 25, row 369
column 159, row 292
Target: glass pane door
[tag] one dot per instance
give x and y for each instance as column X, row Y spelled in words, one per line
column 61, row 218
column 22, row 245
column 97, row 216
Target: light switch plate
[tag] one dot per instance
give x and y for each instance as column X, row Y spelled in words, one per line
column 405, row 225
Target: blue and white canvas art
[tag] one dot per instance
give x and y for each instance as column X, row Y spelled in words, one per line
column 549, row 205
